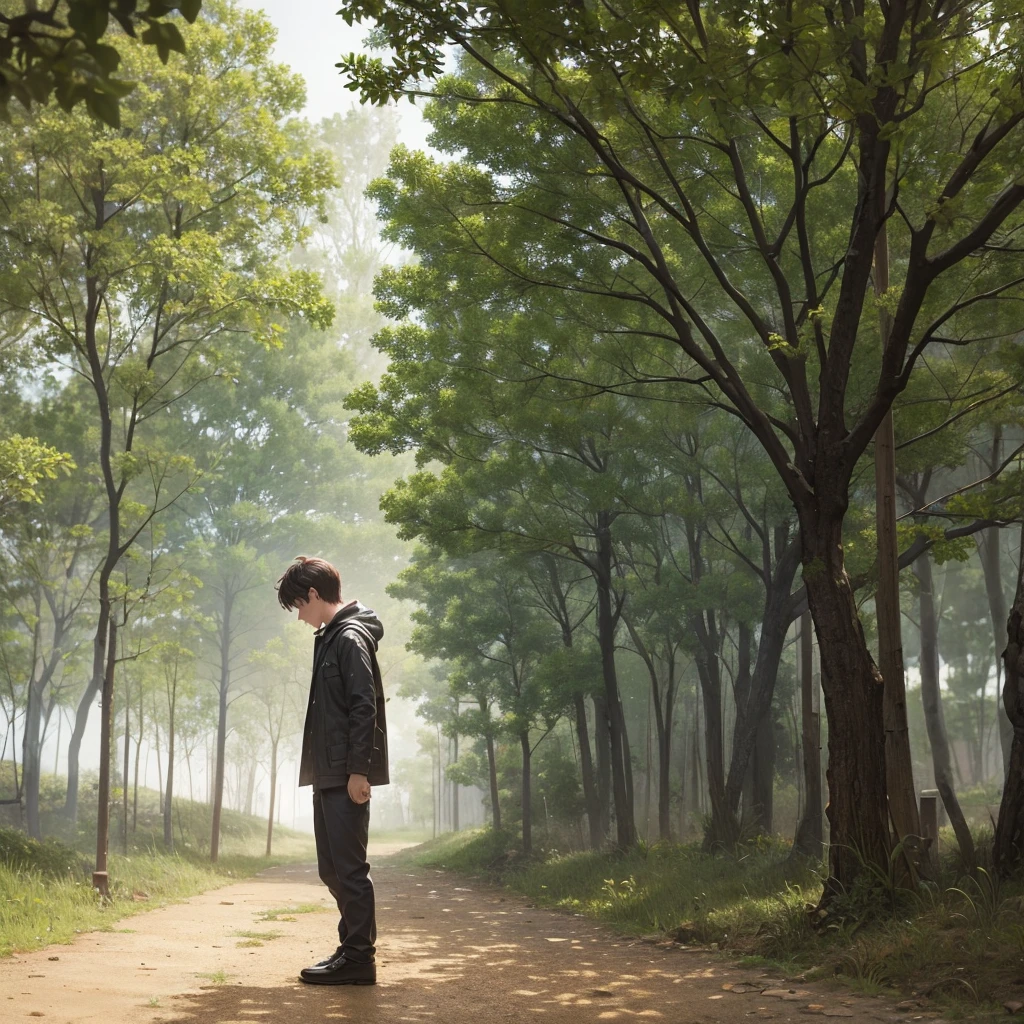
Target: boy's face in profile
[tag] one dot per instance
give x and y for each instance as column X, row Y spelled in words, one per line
column 311, row 611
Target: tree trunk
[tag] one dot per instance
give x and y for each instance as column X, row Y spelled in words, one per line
column 625, row 830
column 138, row 751
column 1008, row 842
column 852, row 686
column 590, row 796
column 809, row 840
column 455, row 787
column 222, row 724
column 602, row 750
column 664, row 722
column 126, row 767
column 100, row 880
column 899, row 768
column 752, row 712
column 935, row 719
column 31, row 757
column 78, row 734
column 991, row 564
column 492, row 773
column 723, row 828
column 273, row 795
column 763, row 789
column 250, row 789
column 524, row 744
column 169, row 791
column 988, row 550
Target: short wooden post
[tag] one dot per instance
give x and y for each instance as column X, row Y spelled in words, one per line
column 930, row 815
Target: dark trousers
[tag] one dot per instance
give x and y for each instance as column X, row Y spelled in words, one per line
column 342, row 827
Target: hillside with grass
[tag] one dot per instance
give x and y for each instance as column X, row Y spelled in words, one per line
column 46, row 892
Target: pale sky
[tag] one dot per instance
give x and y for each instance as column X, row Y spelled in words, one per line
column 311, row 40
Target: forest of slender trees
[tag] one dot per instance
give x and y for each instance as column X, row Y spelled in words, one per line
column 670, row 407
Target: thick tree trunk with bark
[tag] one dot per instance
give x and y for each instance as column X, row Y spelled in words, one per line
column 934, row 718
column 853, row 691
column 1008, row 843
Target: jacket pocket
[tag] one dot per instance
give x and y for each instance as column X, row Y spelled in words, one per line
column 337, row 753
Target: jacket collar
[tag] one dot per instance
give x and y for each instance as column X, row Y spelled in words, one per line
column 345, row 612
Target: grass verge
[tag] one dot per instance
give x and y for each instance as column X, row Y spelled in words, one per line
column 46, row 893
column 955, row 945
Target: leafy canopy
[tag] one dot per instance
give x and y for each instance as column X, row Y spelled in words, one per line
column 59, row 50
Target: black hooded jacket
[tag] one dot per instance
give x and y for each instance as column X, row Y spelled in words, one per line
column 345, row 731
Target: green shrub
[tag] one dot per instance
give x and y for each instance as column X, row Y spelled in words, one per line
column 50, row 857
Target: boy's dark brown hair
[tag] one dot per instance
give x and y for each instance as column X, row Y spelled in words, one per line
column 294, row 585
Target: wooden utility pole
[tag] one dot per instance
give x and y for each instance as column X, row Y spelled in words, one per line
column 899, row 769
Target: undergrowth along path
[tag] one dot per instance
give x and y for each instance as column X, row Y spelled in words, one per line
column 448, row 949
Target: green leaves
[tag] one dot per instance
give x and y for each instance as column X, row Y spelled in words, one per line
column 25, row 462
column 42, row 55
column 166, row 37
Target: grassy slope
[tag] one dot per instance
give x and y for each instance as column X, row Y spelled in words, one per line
column 46, row 893
column 957, row 946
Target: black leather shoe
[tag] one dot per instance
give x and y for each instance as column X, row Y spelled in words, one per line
column 340, row 971
column 326, row 963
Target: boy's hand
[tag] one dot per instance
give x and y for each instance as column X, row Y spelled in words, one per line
column 358, row 789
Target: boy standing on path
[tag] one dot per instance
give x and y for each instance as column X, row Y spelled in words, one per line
column 344, row 753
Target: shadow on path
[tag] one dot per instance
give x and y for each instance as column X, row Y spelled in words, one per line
column 466, row 953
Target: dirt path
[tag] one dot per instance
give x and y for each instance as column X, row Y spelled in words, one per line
column 448, row 950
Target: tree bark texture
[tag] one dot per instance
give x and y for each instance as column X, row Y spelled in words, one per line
column 106, row 757
column 625, row 830
column 991, row 564
column 898, row 762
column 602, row 751
column 527, row 804
column 853, row 691
column 1008, row 843
column 934, row 717
column 492, row 774
column 810, row 839
column 723, row 828
column 590, row 797
column 222, row 724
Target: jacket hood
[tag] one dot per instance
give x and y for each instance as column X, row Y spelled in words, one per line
column 358, row 612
